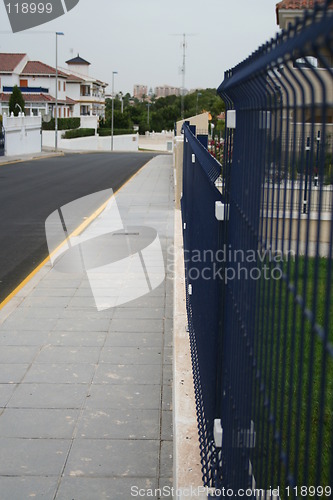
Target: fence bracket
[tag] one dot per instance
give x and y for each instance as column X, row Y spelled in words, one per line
column 221, row 211
column 231, row 118
column 218, row 433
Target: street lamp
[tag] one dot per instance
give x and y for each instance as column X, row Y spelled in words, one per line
column 122, row 102
column 148, row 106
column 198, row 94
column 58, row 33
column 113, row 73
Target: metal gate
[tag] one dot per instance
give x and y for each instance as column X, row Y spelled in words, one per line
column 2, row 141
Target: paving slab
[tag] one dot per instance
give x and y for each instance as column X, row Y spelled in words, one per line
column 113, row 458
column 31, row 457
column 83, row 488
column 124, row 396
column 23, row 487
column 85, row 387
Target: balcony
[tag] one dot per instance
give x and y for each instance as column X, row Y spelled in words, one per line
column 28, row 90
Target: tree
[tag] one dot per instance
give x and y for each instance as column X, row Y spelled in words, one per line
column 16, row 101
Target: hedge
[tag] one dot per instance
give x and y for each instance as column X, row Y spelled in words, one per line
column 102, row 132
column 63, row 124
column 80, row 132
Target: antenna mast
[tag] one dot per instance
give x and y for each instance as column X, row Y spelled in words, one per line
column 183, row 69
column 183, row 76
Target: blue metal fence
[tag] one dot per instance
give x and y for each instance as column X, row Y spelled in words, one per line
column 2, row 141
column 258, row 258
column 201, row 242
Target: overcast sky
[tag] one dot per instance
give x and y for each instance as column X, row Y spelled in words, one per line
column 136, row 38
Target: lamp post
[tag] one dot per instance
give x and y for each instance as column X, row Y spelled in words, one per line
column 113, row 73
column 148, row 106
column 58, row 33
column 121, row 102
column 196, row 109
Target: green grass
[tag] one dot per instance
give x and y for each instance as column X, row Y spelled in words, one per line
column 293, row 366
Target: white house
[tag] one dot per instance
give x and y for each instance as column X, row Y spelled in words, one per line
column 78, row 93
column 88, row 92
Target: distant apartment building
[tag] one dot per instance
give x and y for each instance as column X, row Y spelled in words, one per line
column 166, row 90
column 78, row 94
column 140, row 91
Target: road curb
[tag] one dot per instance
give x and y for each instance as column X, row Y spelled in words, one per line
column 33, row 158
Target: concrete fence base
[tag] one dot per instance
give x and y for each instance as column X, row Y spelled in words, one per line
column 187, row 466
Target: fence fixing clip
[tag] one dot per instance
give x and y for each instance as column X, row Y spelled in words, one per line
column 218, row 433
column 231, row 118
column 221, row 211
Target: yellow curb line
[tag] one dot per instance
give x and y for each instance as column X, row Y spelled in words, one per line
column 76, row 232
column 12, row 162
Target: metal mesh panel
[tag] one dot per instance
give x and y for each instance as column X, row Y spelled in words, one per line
column 201, row 242
column 277, row 365
column 261, row 328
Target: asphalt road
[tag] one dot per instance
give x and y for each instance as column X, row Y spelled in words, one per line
column 31, row 191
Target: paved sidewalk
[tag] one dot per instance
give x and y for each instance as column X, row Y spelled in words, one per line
column 86, row 395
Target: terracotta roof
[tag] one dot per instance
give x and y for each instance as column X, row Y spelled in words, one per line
column 8, row 62
column 28, row 98
column 297, row 4
column 74, row 78
column 70, row 101
column 39, row 68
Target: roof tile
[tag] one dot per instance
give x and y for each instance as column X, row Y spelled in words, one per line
column 8, row 62
column 28, row 97
column 298, row 4
column 39, row 68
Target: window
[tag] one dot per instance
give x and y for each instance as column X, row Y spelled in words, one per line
column 64, row 86
column 59, row 86
column 23, row 83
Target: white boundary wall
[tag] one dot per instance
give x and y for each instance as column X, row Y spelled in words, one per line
column 89, row 122
column 22, row 134
column 93, row 143
column 157, row 141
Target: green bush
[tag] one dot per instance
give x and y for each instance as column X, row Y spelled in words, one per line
column 63, row 124
column 79, row 132
column 102, row 132
column 16, row 98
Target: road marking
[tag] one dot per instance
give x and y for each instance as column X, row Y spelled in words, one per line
column 76, row 232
